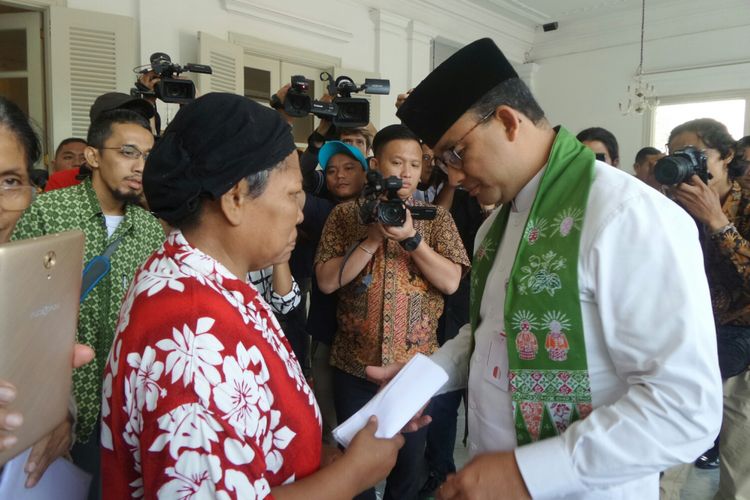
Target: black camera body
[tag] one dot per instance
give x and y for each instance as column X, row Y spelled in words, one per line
column 680, row 166
column 170, row 88
column 392, row 210
column 345, row 111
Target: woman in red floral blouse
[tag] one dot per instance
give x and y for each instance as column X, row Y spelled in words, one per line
column 203, row 397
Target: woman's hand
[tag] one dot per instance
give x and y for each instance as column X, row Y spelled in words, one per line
column 701, row 202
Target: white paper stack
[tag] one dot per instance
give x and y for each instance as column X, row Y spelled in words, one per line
column 61, row 481
column 398, row 401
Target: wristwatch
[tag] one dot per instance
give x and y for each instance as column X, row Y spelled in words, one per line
column 411, row 244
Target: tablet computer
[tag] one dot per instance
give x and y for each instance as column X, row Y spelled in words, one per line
column 40, row 286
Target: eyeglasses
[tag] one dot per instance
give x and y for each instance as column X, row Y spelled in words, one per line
column 450, row 157
column 130, row 152
column 16, row 198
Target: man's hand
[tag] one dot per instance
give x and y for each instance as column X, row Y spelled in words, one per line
column 489, row 476
column 381, row 375
column 402, row 98
column 149, row 79
column 48, row 449
column 701, row 201
column 400, row 233
column 375, row 235
column 281, row 94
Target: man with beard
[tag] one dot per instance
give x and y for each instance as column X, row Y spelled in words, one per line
column 104, row 206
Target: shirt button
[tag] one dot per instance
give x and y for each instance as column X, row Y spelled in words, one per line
column 472, row 405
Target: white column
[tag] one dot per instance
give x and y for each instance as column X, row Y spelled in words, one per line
column 391, row 59
column 420, row 51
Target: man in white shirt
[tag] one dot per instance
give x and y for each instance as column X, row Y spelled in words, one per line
column 651, row 385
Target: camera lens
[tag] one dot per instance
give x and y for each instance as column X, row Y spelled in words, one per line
column 672, row 170
column 392, row 213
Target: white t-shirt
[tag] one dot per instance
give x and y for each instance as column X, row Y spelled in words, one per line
column 112, row 221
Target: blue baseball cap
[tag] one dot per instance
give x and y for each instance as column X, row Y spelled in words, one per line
column 332, row 148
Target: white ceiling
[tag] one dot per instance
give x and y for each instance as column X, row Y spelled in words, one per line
column 533, row 13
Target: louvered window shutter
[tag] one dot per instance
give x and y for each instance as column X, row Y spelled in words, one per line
column 89, row 54
column 225, row 59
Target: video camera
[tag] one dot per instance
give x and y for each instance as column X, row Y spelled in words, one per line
column 169, row 88
column 391, row 211
column 345, row 111
column 680, row 166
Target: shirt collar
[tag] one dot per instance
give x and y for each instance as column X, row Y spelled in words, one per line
column 523, row 200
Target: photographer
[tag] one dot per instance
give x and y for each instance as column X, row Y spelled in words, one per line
column 722, row 209
column 392, row 281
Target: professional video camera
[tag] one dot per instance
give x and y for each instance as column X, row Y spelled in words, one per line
column 345, row 111
column 391, row 211
column 680, row 166
column 169, row 88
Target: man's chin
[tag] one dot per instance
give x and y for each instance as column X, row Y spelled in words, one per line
column 128, row 197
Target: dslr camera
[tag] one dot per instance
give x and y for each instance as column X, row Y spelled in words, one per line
column 392, row 210
column 169, row 88
column 345, row 111
column 680, row 166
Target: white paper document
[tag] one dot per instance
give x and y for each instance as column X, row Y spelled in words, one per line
column 398, row 401
column 61, row 481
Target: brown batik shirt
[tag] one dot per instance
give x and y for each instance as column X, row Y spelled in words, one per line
column 389, row 312
column 727, row 257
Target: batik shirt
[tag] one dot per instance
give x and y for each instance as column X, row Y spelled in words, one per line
column 389, row 312
column 202, row 393
column 727, row 256
column 78, row 207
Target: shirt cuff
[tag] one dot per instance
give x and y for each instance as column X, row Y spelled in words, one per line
column 547, row 469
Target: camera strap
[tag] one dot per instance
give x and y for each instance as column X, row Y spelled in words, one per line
column 97, row 268
column 348, row 254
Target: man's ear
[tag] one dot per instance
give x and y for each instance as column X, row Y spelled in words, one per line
column 233, row 203
column 374, row 165
column 511, row 120
column 92, row 156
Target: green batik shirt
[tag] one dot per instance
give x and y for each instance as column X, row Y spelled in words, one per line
column 78, row 207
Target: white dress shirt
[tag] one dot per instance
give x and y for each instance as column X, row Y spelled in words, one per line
column 650, row 344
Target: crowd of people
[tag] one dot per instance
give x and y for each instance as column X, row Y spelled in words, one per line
column 255, row 300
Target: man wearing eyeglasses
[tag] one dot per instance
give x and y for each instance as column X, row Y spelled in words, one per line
column 105, row 207
column 590, row 358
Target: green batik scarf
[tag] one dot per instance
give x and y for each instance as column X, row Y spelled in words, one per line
column 550, row 386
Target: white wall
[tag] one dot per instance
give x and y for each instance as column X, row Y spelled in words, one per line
column 583, row 71
column 389, row 37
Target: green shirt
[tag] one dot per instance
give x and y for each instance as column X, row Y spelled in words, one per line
column 78, row 207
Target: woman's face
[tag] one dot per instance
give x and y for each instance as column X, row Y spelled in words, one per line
column 15, row 188
column 274, row 215
column 717, row 167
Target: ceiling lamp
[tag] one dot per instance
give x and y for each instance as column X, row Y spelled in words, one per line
column 641, row 95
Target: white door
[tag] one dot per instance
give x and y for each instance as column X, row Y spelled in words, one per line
column 21, row 64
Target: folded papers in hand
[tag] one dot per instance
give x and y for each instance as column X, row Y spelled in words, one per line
column 396, row 403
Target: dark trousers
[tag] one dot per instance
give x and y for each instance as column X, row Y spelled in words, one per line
column 733, row 345
column 351, row 393
column 441, row 433
column 87, row 456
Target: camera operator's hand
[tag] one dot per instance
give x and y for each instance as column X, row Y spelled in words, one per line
column 402, row 98
column 281, row 94
column 400, row 233
column 701, row 202
column 325, row 124
column 375, row 235
column 149, row 80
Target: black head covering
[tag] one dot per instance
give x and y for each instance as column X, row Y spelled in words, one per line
column 454, row 87
column 212, row 144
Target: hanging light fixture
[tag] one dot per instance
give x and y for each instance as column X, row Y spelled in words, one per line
column 640, row 93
